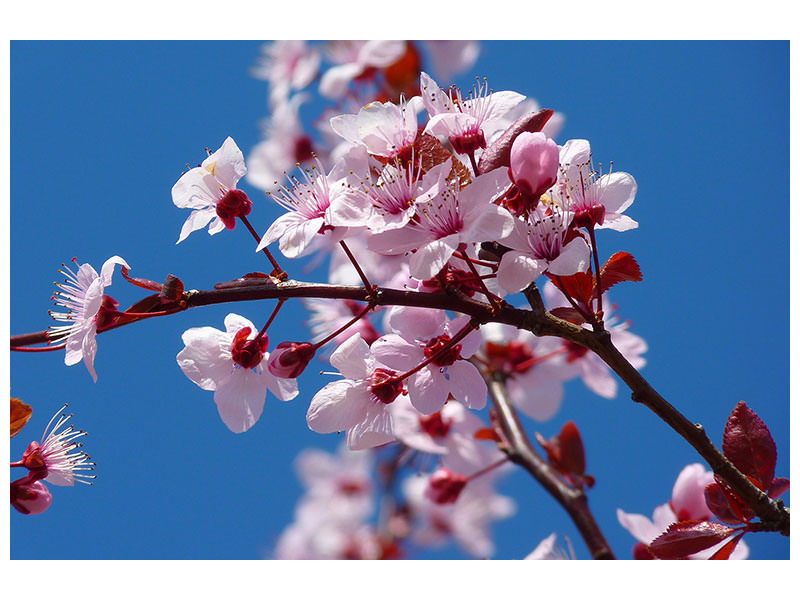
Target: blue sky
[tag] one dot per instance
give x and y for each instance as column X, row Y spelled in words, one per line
column 100, row 131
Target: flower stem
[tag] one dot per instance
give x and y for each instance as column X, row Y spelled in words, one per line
column 351, row 322
column 358, row 269
column 473, row 324
column 599, row 288
column 279, row 273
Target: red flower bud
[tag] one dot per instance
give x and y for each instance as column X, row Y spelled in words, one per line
column 30, row 497
column 289, row 359
column 444, row 486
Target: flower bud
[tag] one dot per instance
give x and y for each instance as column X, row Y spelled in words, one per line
column 30, row 497
column 534, row 164
column 444, row 486
column 234, row 203
column 289, row 359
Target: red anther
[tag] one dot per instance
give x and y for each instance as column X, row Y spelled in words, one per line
column 434, row 425
column 248, row 353
column 444, row 486
column 384, row 385
column 108, row 313
column 289, row 359
column 233, row 204
column 446, row 358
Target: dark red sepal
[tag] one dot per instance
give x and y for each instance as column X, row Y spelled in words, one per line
column 233, row 204
column 172, row 290
column 621, row 266
column 145, row 305
column 725, row 552
column 140, row 282
column 748, row 444
column 688, row 537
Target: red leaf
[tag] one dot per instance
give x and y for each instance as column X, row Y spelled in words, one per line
column 724, row 553
column 718, row 503
column 20, row 414
column 565, row 453
column 687, row 537
column 620, row 267
column 778, row 486
column 578, row 286
column 568, row 314
column 749, row 446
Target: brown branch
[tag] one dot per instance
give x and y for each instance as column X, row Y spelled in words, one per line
column 519, row 450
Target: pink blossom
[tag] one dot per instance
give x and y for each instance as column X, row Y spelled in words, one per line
column 353, row 58
column 287, row 65
column 538, row 245
column 87, row 308
column 359, row 403
column 595, row 200
column 534, row 163
column 688, row 502
column 240, row 387
column 419, row 334
column 212, row 184
column 457, row 216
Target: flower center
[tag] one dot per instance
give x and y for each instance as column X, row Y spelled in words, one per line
column 248, row 353
column 434, row 425
column 514, row 357
column 384, row 385
column 448, row 357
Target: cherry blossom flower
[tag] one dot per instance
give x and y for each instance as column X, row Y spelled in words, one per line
column 309, row 207
column 420, row 334
column 286, row 145
column 466, row 122
column 595, row 200
column 355, row 57
column 594, row 372
column 231, row 364
column 457, row 216
column 466, row 520
column 383, row 128
column 87, row 309
column 210, row 191
column 688, row 502
column 359, row 403
column 287, row 65
column 535, row 368
column 55, row 458
column 538, row 244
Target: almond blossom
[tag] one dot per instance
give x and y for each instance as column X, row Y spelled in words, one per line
column 87, row 309
column 688, row 502
column 421, row 334
column 457, row 216
column 210, row 191
column 359, row 403
column 231, row 363
column 539, row 243
column 595, row 200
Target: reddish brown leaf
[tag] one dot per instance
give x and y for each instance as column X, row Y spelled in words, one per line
column 486, row 433
column 578, row 286
column 566, row 455
column 432, row 153
column 778, row 486
column 620, row 267
column 718, row 503
column 142, row 283
column 568, row 314
column 499, row 153
column 749, row 445
column 20, row 415
column 172, row 290
column 724, row 553
column 687, row 537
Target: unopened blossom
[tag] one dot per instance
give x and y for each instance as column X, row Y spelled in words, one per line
column 232, row 364
column 359, row 403
column 595, row 200
column 354, row 58
column 309, row 205
column 539, row 243
column 210, row 191
column 289, row 359
column 535, row 368
column 383, row 128
column 458, row 215
column 286, row 145
column 595, row 374
column 466, row 122
column 56, row 458
column 466, row 521
column 534, row 165
column 421, row 334
column 287, row 65
column 687, row 503
column 88, row 309
column 30, row 497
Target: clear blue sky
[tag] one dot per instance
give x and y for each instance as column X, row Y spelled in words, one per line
column 100, row 131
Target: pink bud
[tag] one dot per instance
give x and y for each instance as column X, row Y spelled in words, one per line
column 30, row 497
column 444, row 486
column 534, row 164
column 289, row 359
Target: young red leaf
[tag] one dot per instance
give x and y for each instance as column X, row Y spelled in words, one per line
column 20, row 414
column 568, row 314
column 749, row 446
column 778, row 486
column 566, row 455
column 725, row 552
column 578, row 286
column 718, row 503
column 140, row 282
column 486, row 433
column 620, row 267
column 688, row 537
